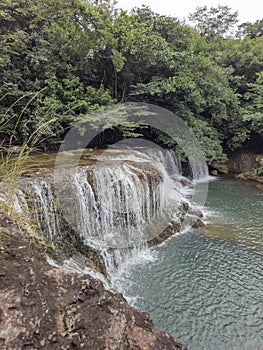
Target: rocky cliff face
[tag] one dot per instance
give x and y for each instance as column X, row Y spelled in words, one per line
column 42, row 307
column 243, row 164
column 244, row 161
column 247, row 165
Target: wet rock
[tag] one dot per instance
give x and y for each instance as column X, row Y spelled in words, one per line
column 198, row 223
column 214, row 172
column 250, row 176
column 221, row 168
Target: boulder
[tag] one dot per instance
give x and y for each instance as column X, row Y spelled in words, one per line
column 219, row 168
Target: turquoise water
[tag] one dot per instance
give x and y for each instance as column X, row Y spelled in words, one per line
column 206, row 288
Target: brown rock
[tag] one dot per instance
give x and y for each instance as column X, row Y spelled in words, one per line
column 42, row 307
column 244, row 161
column 220, row 167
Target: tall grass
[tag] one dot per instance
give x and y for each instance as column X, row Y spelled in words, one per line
column 13, row 161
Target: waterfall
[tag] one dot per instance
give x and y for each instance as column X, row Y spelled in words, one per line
column 117, row 205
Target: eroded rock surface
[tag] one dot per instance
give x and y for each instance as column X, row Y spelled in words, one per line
column 244, row 161
column 42, row 307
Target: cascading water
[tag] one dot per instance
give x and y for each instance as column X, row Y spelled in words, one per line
column 45, row 210
column 117, row 205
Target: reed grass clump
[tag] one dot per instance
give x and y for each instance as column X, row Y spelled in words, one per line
column 13, row 159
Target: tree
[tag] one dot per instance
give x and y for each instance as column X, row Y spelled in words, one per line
column 254, row 105
column 64, row 59
column 214, row 22
column 246, row 57
column 48, row 53
column 252, row 30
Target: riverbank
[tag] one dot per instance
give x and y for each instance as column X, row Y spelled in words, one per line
column 44, row 307
column 242, row 165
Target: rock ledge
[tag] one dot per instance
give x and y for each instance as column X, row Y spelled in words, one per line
column 42, row 307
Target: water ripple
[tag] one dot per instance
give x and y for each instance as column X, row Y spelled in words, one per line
column 208, row 289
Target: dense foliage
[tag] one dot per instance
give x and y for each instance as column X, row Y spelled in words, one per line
column 64, row 59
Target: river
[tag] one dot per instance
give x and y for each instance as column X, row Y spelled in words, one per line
column 206, row 288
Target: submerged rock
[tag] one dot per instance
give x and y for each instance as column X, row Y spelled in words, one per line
column 42, row 307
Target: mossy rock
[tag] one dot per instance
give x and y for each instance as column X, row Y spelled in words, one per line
column 72, row 245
